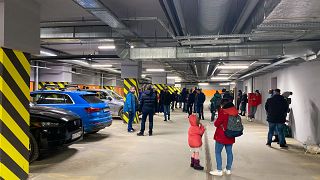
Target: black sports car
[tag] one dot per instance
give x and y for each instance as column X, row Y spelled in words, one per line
column 52, row 128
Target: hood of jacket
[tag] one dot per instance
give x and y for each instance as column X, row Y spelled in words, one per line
column 193, row 120
column 217, row 95
column 230, row 109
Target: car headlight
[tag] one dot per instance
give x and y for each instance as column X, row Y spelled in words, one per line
column 49, row 124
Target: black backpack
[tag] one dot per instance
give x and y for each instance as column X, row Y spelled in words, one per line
column 234, row 128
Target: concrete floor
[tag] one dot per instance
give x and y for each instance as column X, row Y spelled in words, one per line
column 115, row 154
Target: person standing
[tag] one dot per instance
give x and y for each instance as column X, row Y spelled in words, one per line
column 130, row 107
column 243, row 107
column 201, row 98
column 195, row 100
column 215, row 104
column 161, row 108
column 148, row 105
column 255, row 102
column 222, row 141
column 195, row 132
column 239, row 96
column 173, row 100
column 191, row 99
column 183, row 99
column 166, row 99
column 277, row 108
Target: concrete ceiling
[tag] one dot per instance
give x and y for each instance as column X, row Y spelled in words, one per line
column 277, row 22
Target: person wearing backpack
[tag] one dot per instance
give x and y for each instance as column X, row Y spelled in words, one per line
column 215, row 104
column 228, row 111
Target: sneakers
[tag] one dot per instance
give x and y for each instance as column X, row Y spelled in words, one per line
column 140, row 134
column 216, row 173
column 227, row 172
column 268, row 144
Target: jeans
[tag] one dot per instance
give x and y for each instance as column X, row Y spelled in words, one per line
column 166, row 111
column 131, row 118
column 272, row 128
column 144, row 119
column 172, row 105
column 218, row 150
column 200, row 111
column 253, row 110
column 185, row 109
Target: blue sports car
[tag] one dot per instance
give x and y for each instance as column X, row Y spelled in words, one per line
column 95, row 114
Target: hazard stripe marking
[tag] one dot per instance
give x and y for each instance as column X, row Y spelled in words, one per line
column 14, row 114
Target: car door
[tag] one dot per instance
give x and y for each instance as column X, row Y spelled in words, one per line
column 109, row 99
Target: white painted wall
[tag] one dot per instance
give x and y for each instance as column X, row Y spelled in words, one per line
column 55, row 74
column 304, row 81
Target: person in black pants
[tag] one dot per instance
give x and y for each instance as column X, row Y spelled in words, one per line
column 191, row 99
column 166, row 100
column 201, row 98
column 148, row 104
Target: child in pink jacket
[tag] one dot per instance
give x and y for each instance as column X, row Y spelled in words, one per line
column 195, row 133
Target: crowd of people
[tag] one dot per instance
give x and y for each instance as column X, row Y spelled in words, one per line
column 192, row 101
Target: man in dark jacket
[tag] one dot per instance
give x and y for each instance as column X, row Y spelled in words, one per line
column 183, row 99
column 166, row 100
column 200, row 100
column 277, row 108
column 148, row 105
column 191, row 99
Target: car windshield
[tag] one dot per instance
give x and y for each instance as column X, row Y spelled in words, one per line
column 92, row 98
column 115, row 95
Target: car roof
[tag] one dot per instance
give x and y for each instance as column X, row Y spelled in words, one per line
column 63, row 92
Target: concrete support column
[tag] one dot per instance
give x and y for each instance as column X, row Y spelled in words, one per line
column 57, row 76
column 19, row 33
column 130, row 72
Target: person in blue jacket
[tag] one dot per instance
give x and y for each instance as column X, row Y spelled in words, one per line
column 130, row 106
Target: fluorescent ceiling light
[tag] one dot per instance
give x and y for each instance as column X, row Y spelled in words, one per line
column 106, row 40
column 223, row 74
column 107, row 47
column 203, row 84
column 143, row 75
column 131, row 46
column 102, row 65
column 232, row 83
column 47, row 53
column 173, row 77
column 177, row 80
column 232, row 67
column 81, row 62
column 155, row 70
column 224, row 84
column 220, row 78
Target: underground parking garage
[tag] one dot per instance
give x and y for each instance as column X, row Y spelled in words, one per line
column 159, row 89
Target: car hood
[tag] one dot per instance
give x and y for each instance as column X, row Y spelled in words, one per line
column 53, row 113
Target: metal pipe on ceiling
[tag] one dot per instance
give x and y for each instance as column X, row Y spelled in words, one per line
column 72, row 57
column 268, row 67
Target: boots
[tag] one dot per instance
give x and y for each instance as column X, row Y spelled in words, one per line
column 192, row 162
column 197, row 165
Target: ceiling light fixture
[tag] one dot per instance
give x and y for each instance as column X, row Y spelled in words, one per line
column 155, row 70
column 232, row 67
column 224, row 84
column 81, row 62
column 131, row 46
column 203, row 84
column 106, row 47
column 102, row 65
column 47, row 53
column 219, row 78
column 143, row 75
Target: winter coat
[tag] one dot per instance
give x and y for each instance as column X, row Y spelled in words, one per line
column 166, row 98
column 215, row 98
column 148, row 101
column 184, row 95
column 130, row 103
column 222, row 120
column 277, row 108
column 244, row 101
column 201, row 98
column 195, row 132
column 191, row 98
column 255, row 100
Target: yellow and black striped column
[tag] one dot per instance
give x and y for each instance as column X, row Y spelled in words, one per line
column 128, row 83
column 160, row 87
column 108, row 87
column 42, row 85
column 14, row 114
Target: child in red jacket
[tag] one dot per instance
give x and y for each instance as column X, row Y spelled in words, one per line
column 195, row 133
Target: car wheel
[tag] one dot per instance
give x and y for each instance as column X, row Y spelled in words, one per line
column 34, row 149
column 121, row 113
